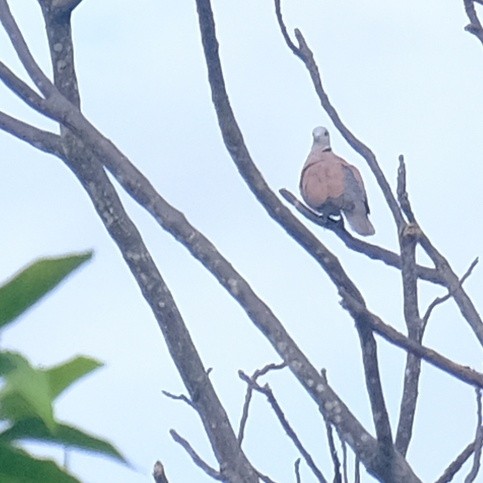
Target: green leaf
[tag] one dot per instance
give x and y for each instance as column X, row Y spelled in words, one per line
column 26, row 391
column 35, row 429
column 32, row 283
column 62, row 376
column 17, row 466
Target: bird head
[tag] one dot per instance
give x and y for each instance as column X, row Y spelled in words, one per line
column 321, row 138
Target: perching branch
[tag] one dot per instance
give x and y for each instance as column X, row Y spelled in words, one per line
column 358, row 245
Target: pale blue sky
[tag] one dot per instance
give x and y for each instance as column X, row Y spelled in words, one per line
column 404, row 76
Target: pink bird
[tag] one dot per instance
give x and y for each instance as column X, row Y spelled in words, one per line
column 329, row 185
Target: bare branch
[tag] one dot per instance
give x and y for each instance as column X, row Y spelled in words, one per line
column 330, row 439
column 43, row 140
column 478, row 441
column 344, row 460
column 267, row 392
column 180, row 397
column 456, row 465
column 357, row 472
column 248, row 396
column 439, row 300
column 372, row 251
column 283, row 29
column 158, row 473
column 454, row 287
column 197, row 460
column 297, row 470
column 408, row 235
column 463, row 373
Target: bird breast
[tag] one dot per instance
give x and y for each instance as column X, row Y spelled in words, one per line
column 323, row 179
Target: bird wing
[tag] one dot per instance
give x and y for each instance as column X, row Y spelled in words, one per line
column 354, row 186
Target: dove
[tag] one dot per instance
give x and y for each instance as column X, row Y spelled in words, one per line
column 331, row 186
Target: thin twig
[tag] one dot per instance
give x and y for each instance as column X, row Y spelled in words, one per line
column 402, row 194
column 283, row 29
column 439, row 300
column 357, row 475
column 267, row 392
column 330, row 439
column 248, row 396
column 457, row 464
column 197, row 460
column 478, row 441
column 297, row 470
column 344, row 460
column 179, row 397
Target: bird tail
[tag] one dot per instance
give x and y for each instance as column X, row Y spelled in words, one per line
column 359, row 221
